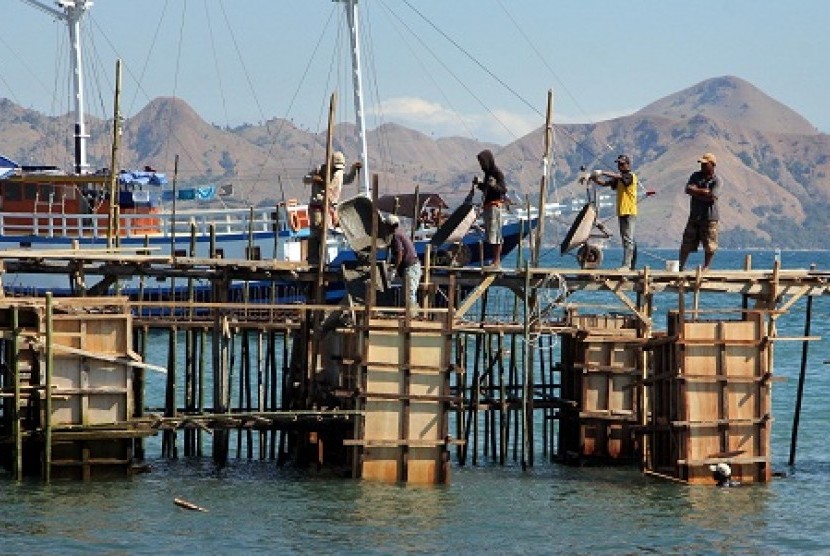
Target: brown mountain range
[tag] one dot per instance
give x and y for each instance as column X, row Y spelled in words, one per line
column 775, row 166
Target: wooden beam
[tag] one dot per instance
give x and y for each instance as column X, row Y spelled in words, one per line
column 474, row 296
column 627, row 302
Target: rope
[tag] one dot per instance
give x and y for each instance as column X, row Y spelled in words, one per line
column 482, row 67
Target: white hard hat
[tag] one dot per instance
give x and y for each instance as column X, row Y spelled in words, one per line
column 392, row 220
column 722, row 468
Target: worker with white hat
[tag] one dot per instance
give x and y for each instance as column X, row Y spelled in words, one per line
column 722, row 473
column 317, row 180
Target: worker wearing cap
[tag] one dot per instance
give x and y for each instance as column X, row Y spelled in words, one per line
column 625, row 183
column 317, row 180
column 405, row 259
column 703, row 189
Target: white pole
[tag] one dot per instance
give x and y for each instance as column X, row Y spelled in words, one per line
column 357, row 84
column 74, row 14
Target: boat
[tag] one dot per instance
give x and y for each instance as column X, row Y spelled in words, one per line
column 42, row 207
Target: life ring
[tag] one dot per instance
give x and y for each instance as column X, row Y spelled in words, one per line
column 298, row 219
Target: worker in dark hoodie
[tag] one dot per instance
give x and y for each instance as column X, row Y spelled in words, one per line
column 494, row 190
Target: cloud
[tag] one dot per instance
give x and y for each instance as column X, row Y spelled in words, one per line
column 499, row 126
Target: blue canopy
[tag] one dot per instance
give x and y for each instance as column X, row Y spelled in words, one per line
column 7, row 166
column 140, row 178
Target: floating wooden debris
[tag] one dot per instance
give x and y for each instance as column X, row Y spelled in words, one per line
column 188, row 505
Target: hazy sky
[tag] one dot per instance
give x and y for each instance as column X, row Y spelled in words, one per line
column 244, row 61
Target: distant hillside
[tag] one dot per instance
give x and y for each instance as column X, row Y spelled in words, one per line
column 731, row 99
column 774, row 164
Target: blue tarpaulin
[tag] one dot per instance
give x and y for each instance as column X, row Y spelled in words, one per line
column 204, row 193
column 7, row 166
column 129, row 177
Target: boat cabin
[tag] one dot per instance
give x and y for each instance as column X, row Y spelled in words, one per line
column 41, row 201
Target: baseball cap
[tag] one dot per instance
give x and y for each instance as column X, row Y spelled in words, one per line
column 623, row 158
column 708, row 157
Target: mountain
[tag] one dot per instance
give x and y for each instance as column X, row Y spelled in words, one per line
column 731, row 99
column 774, row 164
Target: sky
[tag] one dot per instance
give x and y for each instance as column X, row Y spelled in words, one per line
column 478, row 69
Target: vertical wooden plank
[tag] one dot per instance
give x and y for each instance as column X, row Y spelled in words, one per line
column 17, row 419
column 47, row 428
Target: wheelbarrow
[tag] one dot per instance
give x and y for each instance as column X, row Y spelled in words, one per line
column 587, row 236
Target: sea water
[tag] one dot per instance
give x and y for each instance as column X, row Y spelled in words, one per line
column 257, row 507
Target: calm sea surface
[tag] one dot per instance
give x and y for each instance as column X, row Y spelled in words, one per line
column 255, row 507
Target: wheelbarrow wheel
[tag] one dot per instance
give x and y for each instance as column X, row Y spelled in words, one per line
column 589, row 256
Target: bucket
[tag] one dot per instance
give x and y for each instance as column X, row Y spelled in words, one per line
column 673, row 266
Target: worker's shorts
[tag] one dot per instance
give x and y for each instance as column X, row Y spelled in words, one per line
column 492, row 224
column 701, row 232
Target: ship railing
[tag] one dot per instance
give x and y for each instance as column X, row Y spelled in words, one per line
column 61, row 225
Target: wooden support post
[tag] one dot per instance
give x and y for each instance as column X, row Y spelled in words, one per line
column 526, row 362
column 802, row 375
column 503, row 420
column 201, row 384
column 138, row 388
column 220, row 334
column 188, row 388
column 14, row 344
column 262, row 385
column 169, row 439
column 47, row 427
column 645, row 327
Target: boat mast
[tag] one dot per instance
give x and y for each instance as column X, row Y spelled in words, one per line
column 73, row 12
column 357, row 84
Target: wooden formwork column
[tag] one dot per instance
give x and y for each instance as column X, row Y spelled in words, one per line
column 600, row 374
column 405, row 400
column 711, row 390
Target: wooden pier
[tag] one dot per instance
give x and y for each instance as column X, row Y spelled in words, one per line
column 494, row 366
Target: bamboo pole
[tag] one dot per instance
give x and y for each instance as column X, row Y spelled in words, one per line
column 113, row 215
column 543, row 187
column 173, row 213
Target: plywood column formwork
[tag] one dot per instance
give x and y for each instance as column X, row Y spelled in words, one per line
column 76, row 367
column 600, row 360
column 404, row 397
column 710, row 400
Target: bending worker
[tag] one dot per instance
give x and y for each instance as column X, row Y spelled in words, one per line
column 405, row 259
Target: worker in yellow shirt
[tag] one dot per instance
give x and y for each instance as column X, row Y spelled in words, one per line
column 625, row 183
